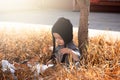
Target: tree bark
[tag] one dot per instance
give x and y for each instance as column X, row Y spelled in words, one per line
column 83, row 25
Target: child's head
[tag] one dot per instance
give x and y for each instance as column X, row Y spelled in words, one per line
column 62, row 31
column 59, row 40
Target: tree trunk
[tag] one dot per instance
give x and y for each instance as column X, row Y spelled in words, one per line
column 83, row 25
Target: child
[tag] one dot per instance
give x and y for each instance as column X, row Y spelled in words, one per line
column 62, row 33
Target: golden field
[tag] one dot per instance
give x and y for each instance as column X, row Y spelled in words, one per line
column 100, row 62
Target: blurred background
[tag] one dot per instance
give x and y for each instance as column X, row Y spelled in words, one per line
column 104, row 14
column 96, row 5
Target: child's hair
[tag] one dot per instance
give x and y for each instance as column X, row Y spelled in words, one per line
column 64, row 28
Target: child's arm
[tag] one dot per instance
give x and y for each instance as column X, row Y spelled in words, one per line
column 70, row 51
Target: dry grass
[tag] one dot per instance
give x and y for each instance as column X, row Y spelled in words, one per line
column 100, row 62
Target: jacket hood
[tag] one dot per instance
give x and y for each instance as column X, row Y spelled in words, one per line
column 64, row 28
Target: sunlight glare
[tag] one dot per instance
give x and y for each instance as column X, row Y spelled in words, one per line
column 21, row 27
column 16, row 4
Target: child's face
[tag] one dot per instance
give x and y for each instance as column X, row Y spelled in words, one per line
column 58, row 39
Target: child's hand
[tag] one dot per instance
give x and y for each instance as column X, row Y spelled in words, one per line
column 65, row 51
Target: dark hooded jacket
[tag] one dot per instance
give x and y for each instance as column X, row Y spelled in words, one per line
column 65, row 29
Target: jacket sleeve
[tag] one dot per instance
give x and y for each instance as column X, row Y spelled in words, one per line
column 75, row 50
